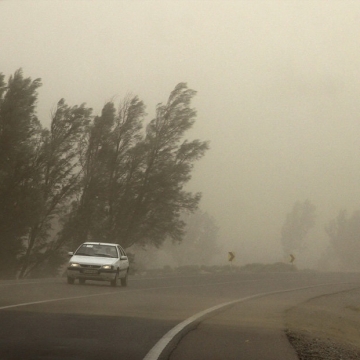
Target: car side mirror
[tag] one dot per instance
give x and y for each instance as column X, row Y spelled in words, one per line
column 122, row 257
column 70, row 253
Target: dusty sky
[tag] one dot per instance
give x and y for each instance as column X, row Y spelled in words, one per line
column 278, row 95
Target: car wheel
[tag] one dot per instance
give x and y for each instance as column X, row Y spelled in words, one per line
column 70, row 280
column 115, row 281
column 81, row 281
column 124, row 280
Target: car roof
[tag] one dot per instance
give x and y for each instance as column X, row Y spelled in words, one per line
column 99, row 243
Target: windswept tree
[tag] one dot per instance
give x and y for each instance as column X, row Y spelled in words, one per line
column 160, row 198
column 124, row 160
column 133, row 184
column 105, row 159
column 344, row 235
column 19, row 176
column 87, row 210
column 297, row 224
column 106, row 180
column 59, row 180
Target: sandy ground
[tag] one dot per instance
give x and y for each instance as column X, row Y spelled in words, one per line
column 326, row 327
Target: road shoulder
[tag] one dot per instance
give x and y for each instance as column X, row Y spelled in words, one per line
column 327, row 326
column 248, row 330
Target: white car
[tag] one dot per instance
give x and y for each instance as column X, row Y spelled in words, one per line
column 98, row 261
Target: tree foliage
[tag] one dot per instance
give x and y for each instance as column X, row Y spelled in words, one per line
column 103, row 178
column 344, row 235
column 19, row 191
column 297, row 224
column 166, row 166
column 58, row 179
column 133, row 184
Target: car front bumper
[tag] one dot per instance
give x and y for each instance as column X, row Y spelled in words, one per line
column 91, row 274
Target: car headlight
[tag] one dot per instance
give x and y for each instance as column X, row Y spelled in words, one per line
column 74, row 265
column 107, row 267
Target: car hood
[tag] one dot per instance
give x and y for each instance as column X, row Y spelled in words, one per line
column 92, row 260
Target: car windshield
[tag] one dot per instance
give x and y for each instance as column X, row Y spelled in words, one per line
column 97, row 250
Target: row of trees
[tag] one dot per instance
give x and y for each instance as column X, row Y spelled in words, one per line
column 297, row 224
column 343, row 233
column 103, row 178
column 200, row 243
column 199, row 246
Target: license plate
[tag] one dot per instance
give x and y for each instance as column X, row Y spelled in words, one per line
column 90, row 271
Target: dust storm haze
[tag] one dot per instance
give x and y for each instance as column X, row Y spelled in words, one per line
column 278, row 87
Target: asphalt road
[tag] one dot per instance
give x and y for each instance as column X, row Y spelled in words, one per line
column 49, row 319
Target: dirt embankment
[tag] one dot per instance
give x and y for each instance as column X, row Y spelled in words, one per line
column 326, row 327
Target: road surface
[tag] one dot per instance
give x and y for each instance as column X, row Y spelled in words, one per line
column 49, row 319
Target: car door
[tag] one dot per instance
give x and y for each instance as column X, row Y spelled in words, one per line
column 123, row 261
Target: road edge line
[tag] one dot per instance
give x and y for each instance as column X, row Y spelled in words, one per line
column 158, row 350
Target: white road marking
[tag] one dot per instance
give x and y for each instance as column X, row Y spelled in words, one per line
column 27, row 282
column 57, row 280
column 159, row 347
column 54, row 300
column 114, row 292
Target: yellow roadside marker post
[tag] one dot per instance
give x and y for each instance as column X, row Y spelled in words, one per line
column 231, row 257
column 292, row 258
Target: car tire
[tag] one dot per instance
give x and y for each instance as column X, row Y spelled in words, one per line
column 115, row 281
column 124, row 280
column 81, row 281
column 70, row 280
